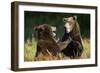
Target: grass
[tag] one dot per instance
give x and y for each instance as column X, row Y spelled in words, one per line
column 86, row 46
column 30, row 51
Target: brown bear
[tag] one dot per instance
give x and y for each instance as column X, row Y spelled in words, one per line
column 46, row 44
column 75, row 48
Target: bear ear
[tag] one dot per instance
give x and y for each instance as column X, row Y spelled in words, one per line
column 64, row 19
column 75, row 17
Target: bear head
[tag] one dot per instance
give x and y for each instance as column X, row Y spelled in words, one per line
column 43, row 31
column 71, row 25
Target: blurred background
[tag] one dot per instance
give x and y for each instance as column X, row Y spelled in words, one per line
column 55, row 19
column 33, row 19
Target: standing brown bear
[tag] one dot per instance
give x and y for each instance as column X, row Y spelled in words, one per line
column 72, row 29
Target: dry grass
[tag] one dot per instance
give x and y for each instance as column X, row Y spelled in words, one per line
column 86, row 46
column 30, row 51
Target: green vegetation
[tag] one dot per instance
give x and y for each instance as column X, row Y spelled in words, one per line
column 33, row 19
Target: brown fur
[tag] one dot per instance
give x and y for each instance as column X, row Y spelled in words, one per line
column 75, row 47
column 46, row 41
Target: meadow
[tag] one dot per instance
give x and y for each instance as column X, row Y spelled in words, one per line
column 30, row 51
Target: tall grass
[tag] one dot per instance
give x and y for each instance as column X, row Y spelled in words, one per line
column 86, row 46
column 30, row 51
